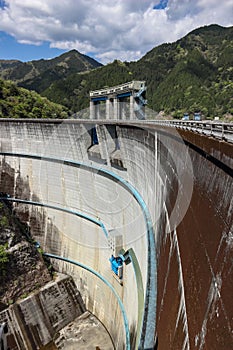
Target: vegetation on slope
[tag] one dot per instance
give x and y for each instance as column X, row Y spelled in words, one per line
column 192, row 74
column 38, row 75
column 73, row 91
column 18, row 102
column 195, row 73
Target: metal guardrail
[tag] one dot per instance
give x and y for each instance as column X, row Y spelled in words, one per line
column 220, row 130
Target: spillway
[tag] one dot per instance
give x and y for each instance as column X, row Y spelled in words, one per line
column 156, row 194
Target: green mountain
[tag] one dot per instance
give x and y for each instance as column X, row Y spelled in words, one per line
column 16, row 102
column 192, row 74
column 39, row 75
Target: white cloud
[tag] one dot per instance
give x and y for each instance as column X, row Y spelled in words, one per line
column 109, row 29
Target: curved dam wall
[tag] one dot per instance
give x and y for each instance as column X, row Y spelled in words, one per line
column 176, row 294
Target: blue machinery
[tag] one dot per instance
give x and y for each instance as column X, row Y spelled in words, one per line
column 141, row 102
column 147, row 333
column 117, row 264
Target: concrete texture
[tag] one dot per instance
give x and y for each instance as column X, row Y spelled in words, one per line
column 185, row 180
column 34, row 320
column 84, row 333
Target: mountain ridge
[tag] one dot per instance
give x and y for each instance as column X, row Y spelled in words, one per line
column 28, row 74
column 191, row 74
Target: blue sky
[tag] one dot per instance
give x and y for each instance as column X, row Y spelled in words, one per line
column 11, row 49
column 103, row 29
column 161, row 5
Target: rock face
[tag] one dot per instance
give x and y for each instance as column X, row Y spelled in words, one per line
column 25, row 270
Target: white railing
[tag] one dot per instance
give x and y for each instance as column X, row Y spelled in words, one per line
column 220, row 130
column 132, row 85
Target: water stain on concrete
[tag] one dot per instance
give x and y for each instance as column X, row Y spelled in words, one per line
column 85, row 333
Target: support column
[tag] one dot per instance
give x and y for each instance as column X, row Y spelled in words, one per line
column 102, row 143
column 108, row 109
column 116, row 108
column 131, row 107
column 92, row 109
column 111, row 108
column 120, row 106
column 97, row 108
column 123, row 109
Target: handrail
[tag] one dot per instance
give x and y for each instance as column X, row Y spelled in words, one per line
column 3, row 338
column 220, row 130
column 55, row 207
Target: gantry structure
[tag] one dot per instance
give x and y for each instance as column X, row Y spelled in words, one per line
column 125, row 101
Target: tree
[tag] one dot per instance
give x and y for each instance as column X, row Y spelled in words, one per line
column 4, row 258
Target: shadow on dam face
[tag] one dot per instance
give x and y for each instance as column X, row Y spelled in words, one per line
column 185, row 182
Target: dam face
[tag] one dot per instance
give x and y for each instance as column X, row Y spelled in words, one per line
column 159, row 196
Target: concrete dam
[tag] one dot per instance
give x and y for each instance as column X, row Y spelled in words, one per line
column 139, row 213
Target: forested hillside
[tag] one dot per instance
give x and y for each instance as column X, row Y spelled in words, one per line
column 192, row 74
column 38, row 75
column 18, row 102
column 195, row 73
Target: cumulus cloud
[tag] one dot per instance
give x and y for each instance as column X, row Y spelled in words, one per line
column 116, row 29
